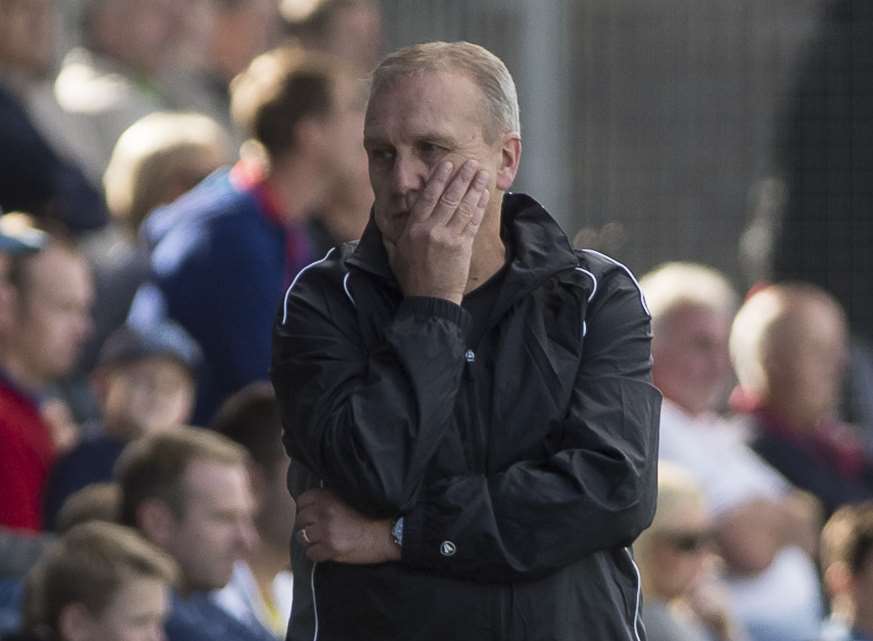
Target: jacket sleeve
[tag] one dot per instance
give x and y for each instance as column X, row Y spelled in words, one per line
column 366, row 420
column 596, row 492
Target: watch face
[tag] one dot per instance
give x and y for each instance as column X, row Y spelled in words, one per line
column 397, row 531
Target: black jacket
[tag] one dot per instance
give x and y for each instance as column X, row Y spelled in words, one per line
column 524, row 466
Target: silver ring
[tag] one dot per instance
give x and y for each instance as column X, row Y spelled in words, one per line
column 305, row 537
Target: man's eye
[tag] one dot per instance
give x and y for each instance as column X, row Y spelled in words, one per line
column 381, row 155
column 429, row 149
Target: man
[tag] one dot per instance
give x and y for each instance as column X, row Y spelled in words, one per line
column 49, row 322
column 789, row 344
column 187, row 490
column 233, row 32
column 483, row 474
column 238, row 238
column 17, row 552
column 348, row 29
column 39, row 171
column 766, row 530
column 111, row 81
column 261, row 588
column 847, row 567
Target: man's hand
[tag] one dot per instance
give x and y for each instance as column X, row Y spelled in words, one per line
column 330, row 530
column 432, row 256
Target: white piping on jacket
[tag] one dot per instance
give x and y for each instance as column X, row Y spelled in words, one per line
column 636, row 635
column 314, row 600
column 593, row 278
column 294, row 282
column 629, row 273
column 346, row 288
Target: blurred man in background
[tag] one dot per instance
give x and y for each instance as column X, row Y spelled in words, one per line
column 188, row 492
column 766, row 530
column 50, row 320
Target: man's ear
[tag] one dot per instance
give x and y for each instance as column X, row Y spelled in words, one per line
column 258, row 482
column 156, row 521
column 75, row 622
column 510, row 157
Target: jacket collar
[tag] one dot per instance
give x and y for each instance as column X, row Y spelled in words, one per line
column 537, row 247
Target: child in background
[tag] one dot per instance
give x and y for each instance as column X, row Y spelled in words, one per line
column 145, row 382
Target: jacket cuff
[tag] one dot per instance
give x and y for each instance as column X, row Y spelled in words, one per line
column 424, row 308
column 426, row 547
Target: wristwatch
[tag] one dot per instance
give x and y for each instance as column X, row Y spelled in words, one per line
column 397, row 531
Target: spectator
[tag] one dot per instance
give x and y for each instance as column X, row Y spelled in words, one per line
column 37, row 173
column 765, row 529
column 239, row 237
column 112, row 80
column 99, row 582
column 17, row 552
column 348, row 29
column 145, row 384
column 261, row 588
column 187, row 490
column 847, row 567
column 156, row 160
column 239, row 30
column 789, row 346
column 681, row 599
column 50, row 321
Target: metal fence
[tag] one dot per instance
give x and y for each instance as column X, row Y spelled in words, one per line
column 646, row 123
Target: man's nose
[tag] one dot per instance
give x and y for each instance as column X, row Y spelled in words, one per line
column 408, row 175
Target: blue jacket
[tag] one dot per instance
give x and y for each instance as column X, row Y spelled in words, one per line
column 219, row 267
column 198, row 618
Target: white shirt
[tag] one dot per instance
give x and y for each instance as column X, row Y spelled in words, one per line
column 242, row 598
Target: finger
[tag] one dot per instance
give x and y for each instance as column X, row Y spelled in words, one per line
column 478, row 215
column 469, row 206
column 453, row 195
column 433, row 189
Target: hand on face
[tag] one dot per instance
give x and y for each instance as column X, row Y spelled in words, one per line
column 333, row 531
column 432, row 255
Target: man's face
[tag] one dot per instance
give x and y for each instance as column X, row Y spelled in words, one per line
column 136, row 612
column 216, row 528
column 691, row 360
column 53, row 313
column 413, row 124
column 150, row 395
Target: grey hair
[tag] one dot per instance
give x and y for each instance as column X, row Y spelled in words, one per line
column 485, row 69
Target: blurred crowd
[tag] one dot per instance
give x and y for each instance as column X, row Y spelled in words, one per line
column 164, row 181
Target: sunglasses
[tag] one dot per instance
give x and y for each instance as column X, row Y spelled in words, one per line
column 688, row 542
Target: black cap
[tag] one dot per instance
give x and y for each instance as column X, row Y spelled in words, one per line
column 131, row 343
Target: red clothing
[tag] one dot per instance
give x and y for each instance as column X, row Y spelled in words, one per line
column 26, row 455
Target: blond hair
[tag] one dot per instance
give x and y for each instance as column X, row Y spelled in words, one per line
column 154, row 466
column 156, row 153
column 486, row 70
column 88, row 565
column 675, row 285
column 766, row 316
